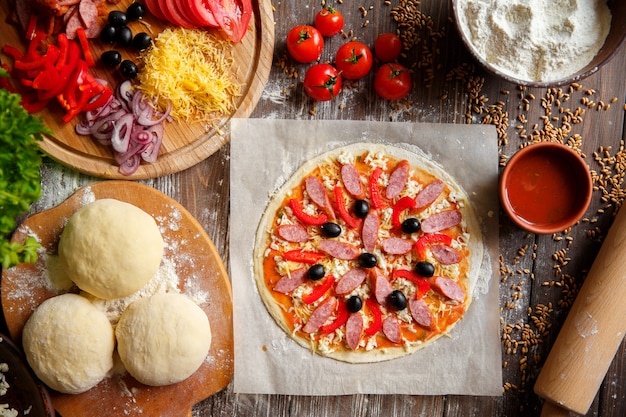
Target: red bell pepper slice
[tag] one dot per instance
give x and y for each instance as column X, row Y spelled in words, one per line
column 353, row 222
column 64, row 48
column 306, row 218
column 50, row 57
column 78, row 107
column 422, row 243
column 377, row 321
column 375, row 196
column 32, row 52
column 304, row 256
column 420, row 282
column 32, row 104
column 12, row 51
column 342, row 318
column 402, row 204
column 84, row 43
column 47, row 79
column 31, row 29
column 319, row 290
column 100, row 100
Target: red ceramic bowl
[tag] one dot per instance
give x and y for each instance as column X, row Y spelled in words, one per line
column 545, row 188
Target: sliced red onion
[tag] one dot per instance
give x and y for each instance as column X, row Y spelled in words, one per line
column 122, row 129
column 131, row 165
column 130, row 125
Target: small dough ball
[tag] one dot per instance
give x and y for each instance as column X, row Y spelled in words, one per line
column 69, row 343
column 110, row 248
column 163, row 339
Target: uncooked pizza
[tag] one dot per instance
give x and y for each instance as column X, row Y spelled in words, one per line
column 368, row 253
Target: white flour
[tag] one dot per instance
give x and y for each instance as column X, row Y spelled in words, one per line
column 536, row 40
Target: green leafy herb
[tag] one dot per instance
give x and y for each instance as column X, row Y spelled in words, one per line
column 20, row 178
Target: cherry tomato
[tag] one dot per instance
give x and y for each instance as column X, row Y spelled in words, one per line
column 388, row 47
column 392, row 81
column 305, row 43
column 329, row 21
column 354, row 60
column 322, row 82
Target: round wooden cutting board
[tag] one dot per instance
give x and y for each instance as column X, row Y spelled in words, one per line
column 184, row 145
column 199, row 269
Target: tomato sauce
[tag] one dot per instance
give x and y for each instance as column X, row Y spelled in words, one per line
column 543, row 189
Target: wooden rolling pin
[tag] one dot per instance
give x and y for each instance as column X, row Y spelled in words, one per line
column 591, row 334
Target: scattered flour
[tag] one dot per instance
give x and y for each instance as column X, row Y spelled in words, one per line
column 536, row 40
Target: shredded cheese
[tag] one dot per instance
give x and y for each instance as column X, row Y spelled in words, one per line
column 189, row 68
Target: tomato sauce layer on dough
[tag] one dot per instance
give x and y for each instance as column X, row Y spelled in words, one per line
column 315, row 271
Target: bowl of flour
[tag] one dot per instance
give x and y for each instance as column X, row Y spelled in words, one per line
column 538, row 42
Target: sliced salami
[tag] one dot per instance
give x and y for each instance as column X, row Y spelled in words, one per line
column 445, row 254
column 317, row 192
column 429, row 194
column 350, row 281
column 72, row 25
column 369, row 232
column 397, row 246
column 88, row 12
column 420, row 312
column 441, row 221
column 391, row 329
column 382, row 288
column 293, row 233
column 352, row 181
column 397, row 180
column 447, row 288
column 339, row 250
column 290, row 282
column 320, row 315
column 354, row 328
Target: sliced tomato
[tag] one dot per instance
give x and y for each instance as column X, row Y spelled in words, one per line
column 154, row 8
column 202, row 12
column 186, row 8
column 233, row 16
column 171, row 9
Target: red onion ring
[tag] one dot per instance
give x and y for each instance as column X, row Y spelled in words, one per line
column 130, row 125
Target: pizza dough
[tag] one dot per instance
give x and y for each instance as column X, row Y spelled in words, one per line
column 292, row 239
column 69, row 343
column 110, row 248
column 163, row 339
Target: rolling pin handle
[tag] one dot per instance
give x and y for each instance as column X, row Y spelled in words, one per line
column 552, row 410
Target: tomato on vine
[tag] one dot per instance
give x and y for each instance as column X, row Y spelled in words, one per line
column 329, row 21
column 388, row 47
column 354, row 60
column 392, row 81
column 322, row 82
column 305, row 43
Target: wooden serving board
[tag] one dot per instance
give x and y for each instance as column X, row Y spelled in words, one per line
column 199, row 269
column 184, row 144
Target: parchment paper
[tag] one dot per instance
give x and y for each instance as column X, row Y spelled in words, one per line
column 264, row 153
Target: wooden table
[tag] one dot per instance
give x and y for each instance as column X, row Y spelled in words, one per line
column 539, row 274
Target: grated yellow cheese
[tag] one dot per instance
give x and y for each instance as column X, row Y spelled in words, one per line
column 191, row 69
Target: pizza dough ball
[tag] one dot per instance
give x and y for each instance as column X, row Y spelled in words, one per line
column 163, row 339
column 69, row 343
column 110, row 248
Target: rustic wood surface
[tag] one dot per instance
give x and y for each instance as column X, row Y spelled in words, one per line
column 540, row 275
